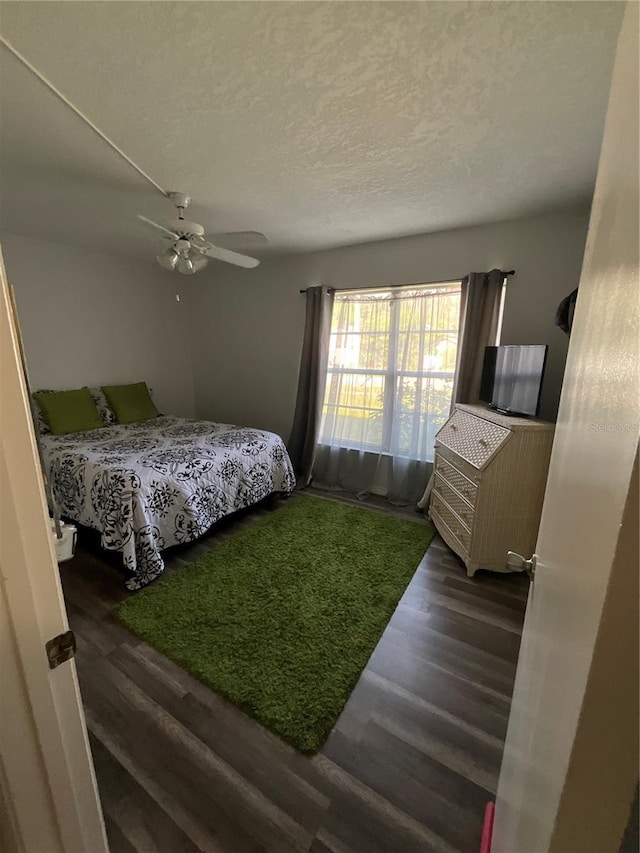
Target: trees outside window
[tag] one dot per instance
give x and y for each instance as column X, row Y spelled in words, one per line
column 390, row 372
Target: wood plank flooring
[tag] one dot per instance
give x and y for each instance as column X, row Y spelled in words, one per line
column 410, row 765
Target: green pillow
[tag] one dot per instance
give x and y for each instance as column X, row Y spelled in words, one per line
column 68, row 411
column 130, row 402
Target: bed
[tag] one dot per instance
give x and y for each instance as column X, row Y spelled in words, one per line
column 146, row 486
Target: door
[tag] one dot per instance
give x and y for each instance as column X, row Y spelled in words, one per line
column 48, row 797
column 570, row 763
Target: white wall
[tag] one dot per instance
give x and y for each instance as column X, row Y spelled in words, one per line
column 248, row 324
column 92, row 319
column 231, row 347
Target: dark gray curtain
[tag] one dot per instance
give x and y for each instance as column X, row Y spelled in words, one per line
column 311, row 381
column 479, row 313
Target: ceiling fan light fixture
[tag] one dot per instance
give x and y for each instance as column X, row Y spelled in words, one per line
column 185, row 265
column 183, row 258
column 200, row 262
column 169, row 259
column 191, row 261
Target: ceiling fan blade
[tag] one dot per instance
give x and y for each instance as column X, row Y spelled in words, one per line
column 241, row 239
column 230, row 257
column 159, row 227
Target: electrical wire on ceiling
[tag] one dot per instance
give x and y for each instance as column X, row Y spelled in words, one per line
column 88, row 121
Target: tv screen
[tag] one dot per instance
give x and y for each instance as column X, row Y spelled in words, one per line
column 512, row 378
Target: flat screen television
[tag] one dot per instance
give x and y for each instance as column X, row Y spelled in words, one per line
column 512, row 378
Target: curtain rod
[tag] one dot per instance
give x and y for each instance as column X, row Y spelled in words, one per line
column 392, row 286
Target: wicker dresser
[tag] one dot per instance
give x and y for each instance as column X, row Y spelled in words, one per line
column 490, row 475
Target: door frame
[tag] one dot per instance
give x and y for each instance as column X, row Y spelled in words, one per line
column 51, row 792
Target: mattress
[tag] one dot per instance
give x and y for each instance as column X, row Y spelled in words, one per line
column 147, row 486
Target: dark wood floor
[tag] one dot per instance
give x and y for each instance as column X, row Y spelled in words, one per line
column 410, row 765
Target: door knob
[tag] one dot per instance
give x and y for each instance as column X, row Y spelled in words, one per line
column 517, row 563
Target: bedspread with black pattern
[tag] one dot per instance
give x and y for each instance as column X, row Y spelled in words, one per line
column 149, row 485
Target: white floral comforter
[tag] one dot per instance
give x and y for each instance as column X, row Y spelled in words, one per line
column 150, row 485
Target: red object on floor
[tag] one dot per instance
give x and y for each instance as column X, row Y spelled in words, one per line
column 487, row 828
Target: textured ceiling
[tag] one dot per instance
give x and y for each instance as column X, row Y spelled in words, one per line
column 319, row 124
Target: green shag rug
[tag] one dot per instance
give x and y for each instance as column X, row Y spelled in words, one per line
column 282, row 618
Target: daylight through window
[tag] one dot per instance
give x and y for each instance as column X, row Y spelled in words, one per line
column 391, row 365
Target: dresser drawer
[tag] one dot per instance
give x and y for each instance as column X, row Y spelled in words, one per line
column 473, row 438
column 455, row 501
column 457, row 479
column 439, row 507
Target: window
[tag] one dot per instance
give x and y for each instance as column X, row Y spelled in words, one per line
column 392, row 357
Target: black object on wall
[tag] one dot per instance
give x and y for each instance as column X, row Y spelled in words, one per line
column 565, row 312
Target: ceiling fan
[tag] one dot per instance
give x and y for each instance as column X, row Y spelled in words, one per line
column 189, row 252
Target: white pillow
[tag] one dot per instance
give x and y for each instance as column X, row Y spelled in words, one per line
column 104, row 409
